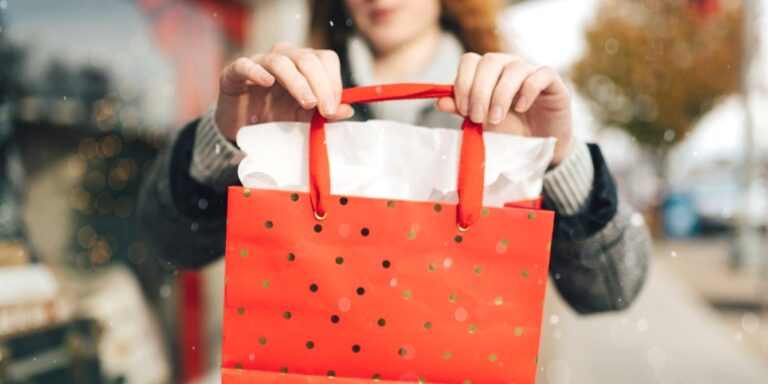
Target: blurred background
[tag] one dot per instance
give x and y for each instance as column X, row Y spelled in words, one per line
column 675, row 91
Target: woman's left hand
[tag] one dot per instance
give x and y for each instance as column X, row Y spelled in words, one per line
column 508, row 94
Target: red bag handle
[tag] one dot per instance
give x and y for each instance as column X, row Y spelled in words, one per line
column 471, row 161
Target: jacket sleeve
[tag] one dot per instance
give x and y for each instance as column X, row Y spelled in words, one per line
column 600, row 253
column 183, row 219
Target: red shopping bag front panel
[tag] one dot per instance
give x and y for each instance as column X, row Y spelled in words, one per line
column 387, row 290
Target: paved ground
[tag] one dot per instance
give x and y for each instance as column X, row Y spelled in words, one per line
column 740, row 298
column 671, row 334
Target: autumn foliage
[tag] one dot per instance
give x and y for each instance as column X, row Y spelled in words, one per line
column 654, row 67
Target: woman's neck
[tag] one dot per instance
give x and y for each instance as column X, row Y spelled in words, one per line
column 402, row 62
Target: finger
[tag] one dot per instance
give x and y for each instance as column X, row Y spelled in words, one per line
column 332, row 65
column 447, row 104
column 486, row 77
column 542, row 80
column 242, row 73
column 463, row 83
column 509, row 84
column 309, row 65
column 345, row 112
column 290, row 78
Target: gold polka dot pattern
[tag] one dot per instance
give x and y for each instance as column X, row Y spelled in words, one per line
column 381, row 289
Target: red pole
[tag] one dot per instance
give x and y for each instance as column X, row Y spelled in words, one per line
column 192, row 347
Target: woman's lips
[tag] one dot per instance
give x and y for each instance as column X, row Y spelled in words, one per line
column 381, row 15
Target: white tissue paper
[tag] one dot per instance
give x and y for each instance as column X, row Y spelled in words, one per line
column 392, row 160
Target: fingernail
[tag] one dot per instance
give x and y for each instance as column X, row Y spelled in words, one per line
column 267, row 78
column 522, row 101
column 307, row 98
column 496, row 115
column 477, row 113
column 330, row 108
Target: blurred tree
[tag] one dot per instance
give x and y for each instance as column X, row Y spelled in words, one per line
column 654, row 67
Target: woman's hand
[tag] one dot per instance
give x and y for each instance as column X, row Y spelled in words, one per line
column 489, row 87
column 285, row 84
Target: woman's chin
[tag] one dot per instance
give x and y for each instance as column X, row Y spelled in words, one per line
column 386, row 38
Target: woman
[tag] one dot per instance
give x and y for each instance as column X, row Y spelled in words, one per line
column 599, row 255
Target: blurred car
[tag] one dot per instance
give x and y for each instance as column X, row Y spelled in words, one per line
column 708, row 167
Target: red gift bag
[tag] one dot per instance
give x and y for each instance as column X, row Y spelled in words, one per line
column 322, row 288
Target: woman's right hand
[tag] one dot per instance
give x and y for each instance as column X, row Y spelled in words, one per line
column 285, row 84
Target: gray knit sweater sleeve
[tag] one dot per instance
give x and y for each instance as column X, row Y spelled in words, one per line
column 601, row 248
column 214, row 157
column 604, row 271
column 184, row 220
